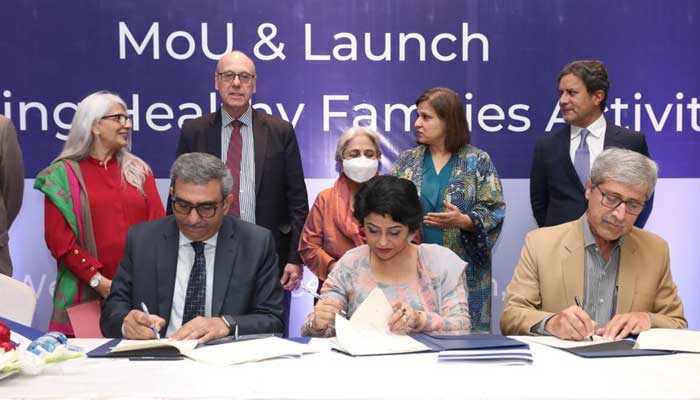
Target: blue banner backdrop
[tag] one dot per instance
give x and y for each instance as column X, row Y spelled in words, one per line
column 327, row 65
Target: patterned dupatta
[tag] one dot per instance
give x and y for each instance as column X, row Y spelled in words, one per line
column 63, row 185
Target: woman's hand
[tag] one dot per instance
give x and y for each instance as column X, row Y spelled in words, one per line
column 104, row 287
column 405, row 318
column 452, row 217
column 324, row 314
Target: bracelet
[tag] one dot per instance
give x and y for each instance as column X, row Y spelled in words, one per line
column 310, row 324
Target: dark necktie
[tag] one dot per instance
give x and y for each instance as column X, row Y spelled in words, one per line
column 233, row 162
column 582, row 158
column 196, row 286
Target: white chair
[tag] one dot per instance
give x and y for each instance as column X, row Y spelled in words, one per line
column 17, row 301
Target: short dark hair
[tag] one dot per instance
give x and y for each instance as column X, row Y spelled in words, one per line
column 389, row 195
column 449, row 108
column 593, row 74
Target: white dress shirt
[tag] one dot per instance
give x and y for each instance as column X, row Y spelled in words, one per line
column 185, row 262
column 595, row 140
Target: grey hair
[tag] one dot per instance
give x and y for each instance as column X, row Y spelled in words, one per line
column 627, row 167
column 349, row 134
column 81, row 139
column 200, row 169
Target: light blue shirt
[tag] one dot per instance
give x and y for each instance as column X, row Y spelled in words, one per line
column 247, row 183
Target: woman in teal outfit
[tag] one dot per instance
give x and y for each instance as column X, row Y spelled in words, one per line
column 460, row 192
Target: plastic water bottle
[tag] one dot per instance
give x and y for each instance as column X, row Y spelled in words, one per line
column 47, row 343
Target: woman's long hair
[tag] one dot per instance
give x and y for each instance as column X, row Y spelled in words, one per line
column 81, row 139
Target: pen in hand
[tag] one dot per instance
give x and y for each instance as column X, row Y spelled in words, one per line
column 578, row 303
column 153, row 327
column 317, row 297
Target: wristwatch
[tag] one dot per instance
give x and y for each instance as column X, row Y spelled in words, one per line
column 95, row 280
column 230, row 323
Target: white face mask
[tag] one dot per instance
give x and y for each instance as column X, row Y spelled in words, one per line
column 360, row 169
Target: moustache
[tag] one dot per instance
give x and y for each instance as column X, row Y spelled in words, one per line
column 194, row 226
column 610, row 219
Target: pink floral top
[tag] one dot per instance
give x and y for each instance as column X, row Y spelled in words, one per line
column 439, row 290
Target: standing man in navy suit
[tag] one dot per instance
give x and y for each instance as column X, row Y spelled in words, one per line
column 562, row 160
column 201, row 273
column 262, row 153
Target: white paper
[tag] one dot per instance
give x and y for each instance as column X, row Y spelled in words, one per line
column 670, row 339
column 184, row 346
column 367, row 332
column 553, row 341
column 248, row 351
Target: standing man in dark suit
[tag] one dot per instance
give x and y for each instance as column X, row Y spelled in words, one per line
column 263, row 155
column 11, row 188
column 201, row 274
column 562, row 160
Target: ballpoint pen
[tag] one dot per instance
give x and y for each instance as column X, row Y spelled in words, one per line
column 578, row 303
column 317, row 297
column 153, row 327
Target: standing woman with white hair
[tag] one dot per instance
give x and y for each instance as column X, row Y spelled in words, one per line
column 330, row 229
column 95, row 190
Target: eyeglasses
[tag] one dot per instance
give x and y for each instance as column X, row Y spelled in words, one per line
column 612, row 201
column 121, row 118
column 204, row 210
column 243, row 77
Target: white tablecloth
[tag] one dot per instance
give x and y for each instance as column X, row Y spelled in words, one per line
column 555, row 374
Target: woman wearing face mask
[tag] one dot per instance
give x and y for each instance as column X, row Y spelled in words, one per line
column 424, row 283
column 330, row 229
column 460, row 192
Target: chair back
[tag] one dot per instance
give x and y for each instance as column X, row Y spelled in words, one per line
column 17, row 300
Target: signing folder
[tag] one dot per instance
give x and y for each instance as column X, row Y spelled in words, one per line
column 227, row 353
column 144, row 348
column 598, row 348
column 467, row 342
column 483, row 349
column 617, row 348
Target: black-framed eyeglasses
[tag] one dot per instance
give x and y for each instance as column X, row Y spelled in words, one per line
column 121, row 118
column 632, row 207
column 229, row 76
column 204, row 210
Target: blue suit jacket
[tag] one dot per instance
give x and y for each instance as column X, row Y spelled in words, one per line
column 246, row 277
column 556, row 192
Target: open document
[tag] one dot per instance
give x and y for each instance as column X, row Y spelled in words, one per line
column 599, row 347
column 670, row 339
column 182, row 347
column 229, row 353
column 367, row 332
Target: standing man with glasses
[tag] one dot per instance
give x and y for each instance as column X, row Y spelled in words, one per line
column 562, row 159
column 621, row 273
column 262, row 153
column 201, row 274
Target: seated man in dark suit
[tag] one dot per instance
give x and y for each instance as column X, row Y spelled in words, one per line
column 201, row 273
column 562, row 159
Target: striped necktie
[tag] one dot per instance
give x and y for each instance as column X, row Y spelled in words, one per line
column 233, row 162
